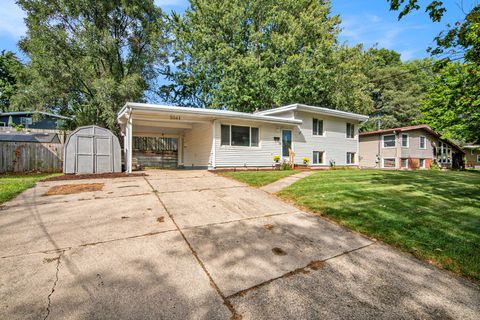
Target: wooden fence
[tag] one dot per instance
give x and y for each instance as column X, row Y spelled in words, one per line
column 30, row 156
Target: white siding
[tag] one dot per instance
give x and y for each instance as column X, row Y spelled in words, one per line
column 197, row 145
column 334, row 142
column 261, row 156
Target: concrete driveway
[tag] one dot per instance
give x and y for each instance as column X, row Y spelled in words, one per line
column 193, row 245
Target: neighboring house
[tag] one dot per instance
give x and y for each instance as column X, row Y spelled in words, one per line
column 472, row 156
column 414, row 147
column 212, row 138
column 33, row 120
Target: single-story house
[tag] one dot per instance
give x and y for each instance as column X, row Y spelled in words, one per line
column 33, row 120
column 472, row 156
column 213, row 138
column 413, row 147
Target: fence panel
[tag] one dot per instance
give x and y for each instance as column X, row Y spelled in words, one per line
column 30, row 156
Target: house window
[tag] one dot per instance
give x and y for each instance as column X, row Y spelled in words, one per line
column 444, row 153
column 422, row 163
column 405, row 163
column 389, row 141
column 389, row 163
column 478, row 157
column 3, row 124
column 423, row 142
column 225, row 135
column 350, row 157
column 404, row 140
column 239, row 136
column 317, row 127
column 350, row 130
column 318, row 157
column 25, row 120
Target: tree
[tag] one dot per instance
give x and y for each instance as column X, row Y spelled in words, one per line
column 246, row 55
column 397, row 88
column 452, row 106
column 435, row 9
column 10, row 72
column 87, row 58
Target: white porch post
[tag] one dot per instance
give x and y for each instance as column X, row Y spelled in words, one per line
column 214, row 144
column 129, row 143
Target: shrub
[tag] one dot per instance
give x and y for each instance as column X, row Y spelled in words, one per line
column 276, row 158
column 285, row 166
column 306, row 160
column 434, row 166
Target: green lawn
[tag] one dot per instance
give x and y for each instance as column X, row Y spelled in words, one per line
column 259, row 178
column 11, row 184
column 434, row 215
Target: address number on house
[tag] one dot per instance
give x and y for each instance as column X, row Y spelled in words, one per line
column 174, row 117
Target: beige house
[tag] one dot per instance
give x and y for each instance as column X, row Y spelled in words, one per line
column 472, row 156
column 414, row 147
column 215, row 139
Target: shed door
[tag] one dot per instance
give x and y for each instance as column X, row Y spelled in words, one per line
column 102, row 154
column 94, row 154
column 85, row 159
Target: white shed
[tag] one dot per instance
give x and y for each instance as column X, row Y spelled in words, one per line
column 92, row 149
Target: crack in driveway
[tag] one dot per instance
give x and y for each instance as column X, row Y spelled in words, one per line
column 53, row 287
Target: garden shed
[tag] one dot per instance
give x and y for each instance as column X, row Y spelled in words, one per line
column 92, row 149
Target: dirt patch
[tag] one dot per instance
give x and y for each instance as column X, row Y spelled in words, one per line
column 125, row 217
column 279, row 251
column 74, row 188
column 268, row 226
column 316, row 265
column 95, row 176
column 160, row 219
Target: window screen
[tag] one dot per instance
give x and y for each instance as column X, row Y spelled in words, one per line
column 350, row 130
column 389, row 163
column 254, row 137
column 225, row 135
column 405, row 140
column 389, row 141
column 350, row 157
column 317, row 127
column 318, row 157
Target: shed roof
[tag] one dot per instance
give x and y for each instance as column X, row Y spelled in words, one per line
column 30, row 137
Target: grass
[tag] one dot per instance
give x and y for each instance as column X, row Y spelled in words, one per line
column 432, row 214
column 13, row 184
column 259, row 178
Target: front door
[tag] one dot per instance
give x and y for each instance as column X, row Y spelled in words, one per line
column 286, row 142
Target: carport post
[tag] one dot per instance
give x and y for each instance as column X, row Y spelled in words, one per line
column 129, row 143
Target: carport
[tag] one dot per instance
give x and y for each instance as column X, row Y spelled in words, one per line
column 199, row 136
column 178, row 131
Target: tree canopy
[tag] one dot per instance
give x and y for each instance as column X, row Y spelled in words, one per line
column 11, row 69
column 88, row 57
column 246, row 54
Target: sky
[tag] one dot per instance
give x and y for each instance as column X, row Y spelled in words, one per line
column 363, row 21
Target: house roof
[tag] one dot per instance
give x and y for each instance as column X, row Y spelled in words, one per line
column 216, row 113
column 400, row 129
column 24, row 113
column 30, row 137
column 314, row 109
column 411, row 128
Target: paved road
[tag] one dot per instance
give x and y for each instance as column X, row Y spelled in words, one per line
column 193, row 245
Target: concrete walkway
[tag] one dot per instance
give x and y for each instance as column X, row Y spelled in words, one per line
column 194, row 245
column 285, row 182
